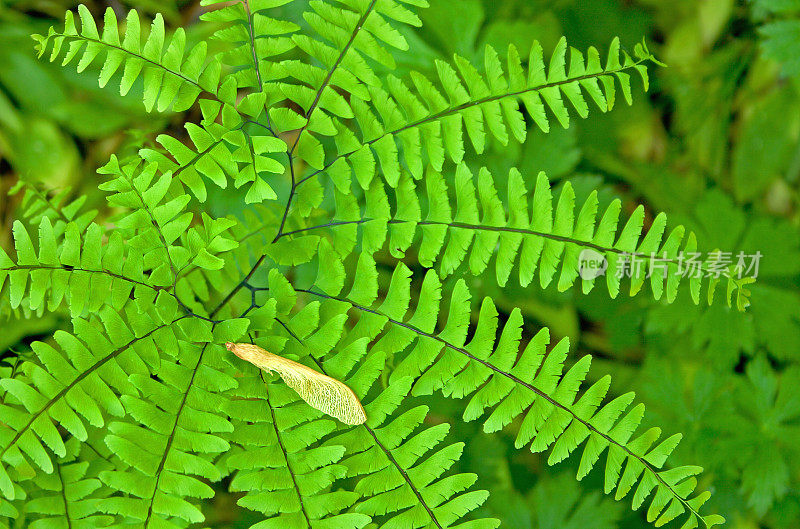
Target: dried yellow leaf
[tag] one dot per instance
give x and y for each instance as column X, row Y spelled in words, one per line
column 320, row 391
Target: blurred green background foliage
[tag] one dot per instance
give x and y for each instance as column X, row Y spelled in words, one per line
column 715, row 144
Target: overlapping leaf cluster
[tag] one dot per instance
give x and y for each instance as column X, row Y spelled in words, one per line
column 133, row 414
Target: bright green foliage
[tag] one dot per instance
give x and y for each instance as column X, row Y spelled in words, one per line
column 36, row 204
column 128, row 419
column 77, row 270
column 463, row 224
column 67, row 499
column 781, row 33
column 283, row 462
column 531, row 383
column 398, row 122
column 170, row 80
column 72, row 387
column 281, row 465
column 169, row 440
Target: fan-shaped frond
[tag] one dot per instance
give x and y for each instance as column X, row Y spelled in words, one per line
column 146, row 290
column 170, row 80
column 529, row 384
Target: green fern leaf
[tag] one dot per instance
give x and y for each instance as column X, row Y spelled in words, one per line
column 431, row 119
column 548, row 236
column 57, row 391
column 532, row 385
column 399, row 475
column 170, row 80
column 156, row 288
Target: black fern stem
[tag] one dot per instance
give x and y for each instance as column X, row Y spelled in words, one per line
column 239, row 286
column 64, row 495
column 311, row 109
column 171, row 437
column 285, row 454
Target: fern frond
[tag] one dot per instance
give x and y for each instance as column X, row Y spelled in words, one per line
column 280, row 463
column 353, row 33
column 75, row 269
column 172, row 435
column 467, row 226
column 255, row 35
column 67, row 500
column 159, row 226
column 398, row 122
column 402, row 478
column 531, row 385
column 72, row 385
column 37, row 203
column 399, row 479
column 231, row 149
column 169, row 79
column 146, row 347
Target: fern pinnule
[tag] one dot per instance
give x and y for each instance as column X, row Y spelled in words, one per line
column 8, row 512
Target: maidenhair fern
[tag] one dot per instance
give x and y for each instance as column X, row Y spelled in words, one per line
column 132, row 412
